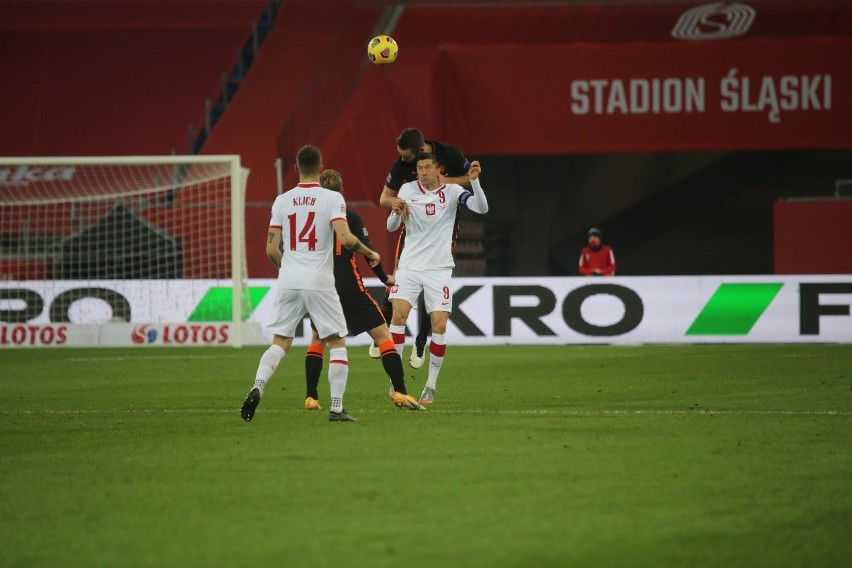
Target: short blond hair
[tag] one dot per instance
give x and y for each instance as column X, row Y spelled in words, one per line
column 331, row 179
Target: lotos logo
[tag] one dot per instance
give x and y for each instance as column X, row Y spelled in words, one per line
column 183, row 334
column 716, row 20
column 24, row 175
column 141, row 334
column 33, row 335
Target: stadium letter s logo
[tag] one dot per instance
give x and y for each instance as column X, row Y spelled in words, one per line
column 716, row 20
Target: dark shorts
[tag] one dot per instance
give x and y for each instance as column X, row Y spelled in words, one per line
column 361, row 313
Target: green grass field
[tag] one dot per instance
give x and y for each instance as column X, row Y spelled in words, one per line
column 530, row 456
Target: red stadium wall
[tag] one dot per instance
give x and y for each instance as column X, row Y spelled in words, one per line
column 500, row 82
column 291, row 96
column 510, row 80
column 104, row 78
column 472, row 22
column 127, row 77
column 813, row 237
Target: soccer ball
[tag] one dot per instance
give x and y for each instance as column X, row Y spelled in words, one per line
column 382, row 50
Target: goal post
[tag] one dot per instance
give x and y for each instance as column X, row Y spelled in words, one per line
column 123, row 250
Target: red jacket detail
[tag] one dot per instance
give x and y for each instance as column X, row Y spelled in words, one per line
column 602, row 259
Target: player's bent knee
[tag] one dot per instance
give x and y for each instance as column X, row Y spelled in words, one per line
column 380, row 334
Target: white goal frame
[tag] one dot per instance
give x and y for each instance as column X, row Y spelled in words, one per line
column 238, row 176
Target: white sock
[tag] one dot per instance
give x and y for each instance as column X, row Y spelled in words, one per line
column 268, row 363
column 338, row 371
column 398, row 335
column 437, row 348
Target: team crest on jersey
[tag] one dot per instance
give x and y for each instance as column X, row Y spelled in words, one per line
column 430, row 209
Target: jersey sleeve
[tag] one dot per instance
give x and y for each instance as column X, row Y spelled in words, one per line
column 276, row 221
column 473, row 201
column 455, row 161
column 337, row 207
column 393, row 222
column 356, row 225
column 396, row 175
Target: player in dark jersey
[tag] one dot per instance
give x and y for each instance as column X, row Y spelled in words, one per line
column 361, row 313
column 453, row 169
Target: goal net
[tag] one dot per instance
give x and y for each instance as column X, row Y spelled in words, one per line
column 122, row 250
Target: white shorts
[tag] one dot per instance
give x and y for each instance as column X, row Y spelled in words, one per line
column 291, row 306
column 433, row 282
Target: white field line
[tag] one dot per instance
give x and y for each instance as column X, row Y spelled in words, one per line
column 146, row 357
column 473, row 412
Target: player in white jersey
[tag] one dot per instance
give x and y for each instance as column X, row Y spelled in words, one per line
column 426, row 263
column 304, row 223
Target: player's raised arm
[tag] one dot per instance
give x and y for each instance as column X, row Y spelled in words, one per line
column 351, row 242
column 476, row 202
column 463, row 181
column 273, row 246
column 387, row 198
column 457, row 166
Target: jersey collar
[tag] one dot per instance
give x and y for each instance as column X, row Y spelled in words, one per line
column 309, row 184
column 425, row 191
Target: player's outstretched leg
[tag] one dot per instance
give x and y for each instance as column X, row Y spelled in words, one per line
column 398, row 336
column 269, row 361
column 437, row 349
column 338, row 372
column 313, row 370
column 393, row 367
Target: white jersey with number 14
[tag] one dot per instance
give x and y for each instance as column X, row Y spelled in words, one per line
column 304, row 215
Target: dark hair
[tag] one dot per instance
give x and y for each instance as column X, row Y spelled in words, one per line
column 309, row 160
column 427, row 156
column 410, row 139
column 331, row 179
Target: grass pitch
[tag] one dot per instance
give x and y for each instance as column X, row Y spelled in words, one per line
column 531, row 456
